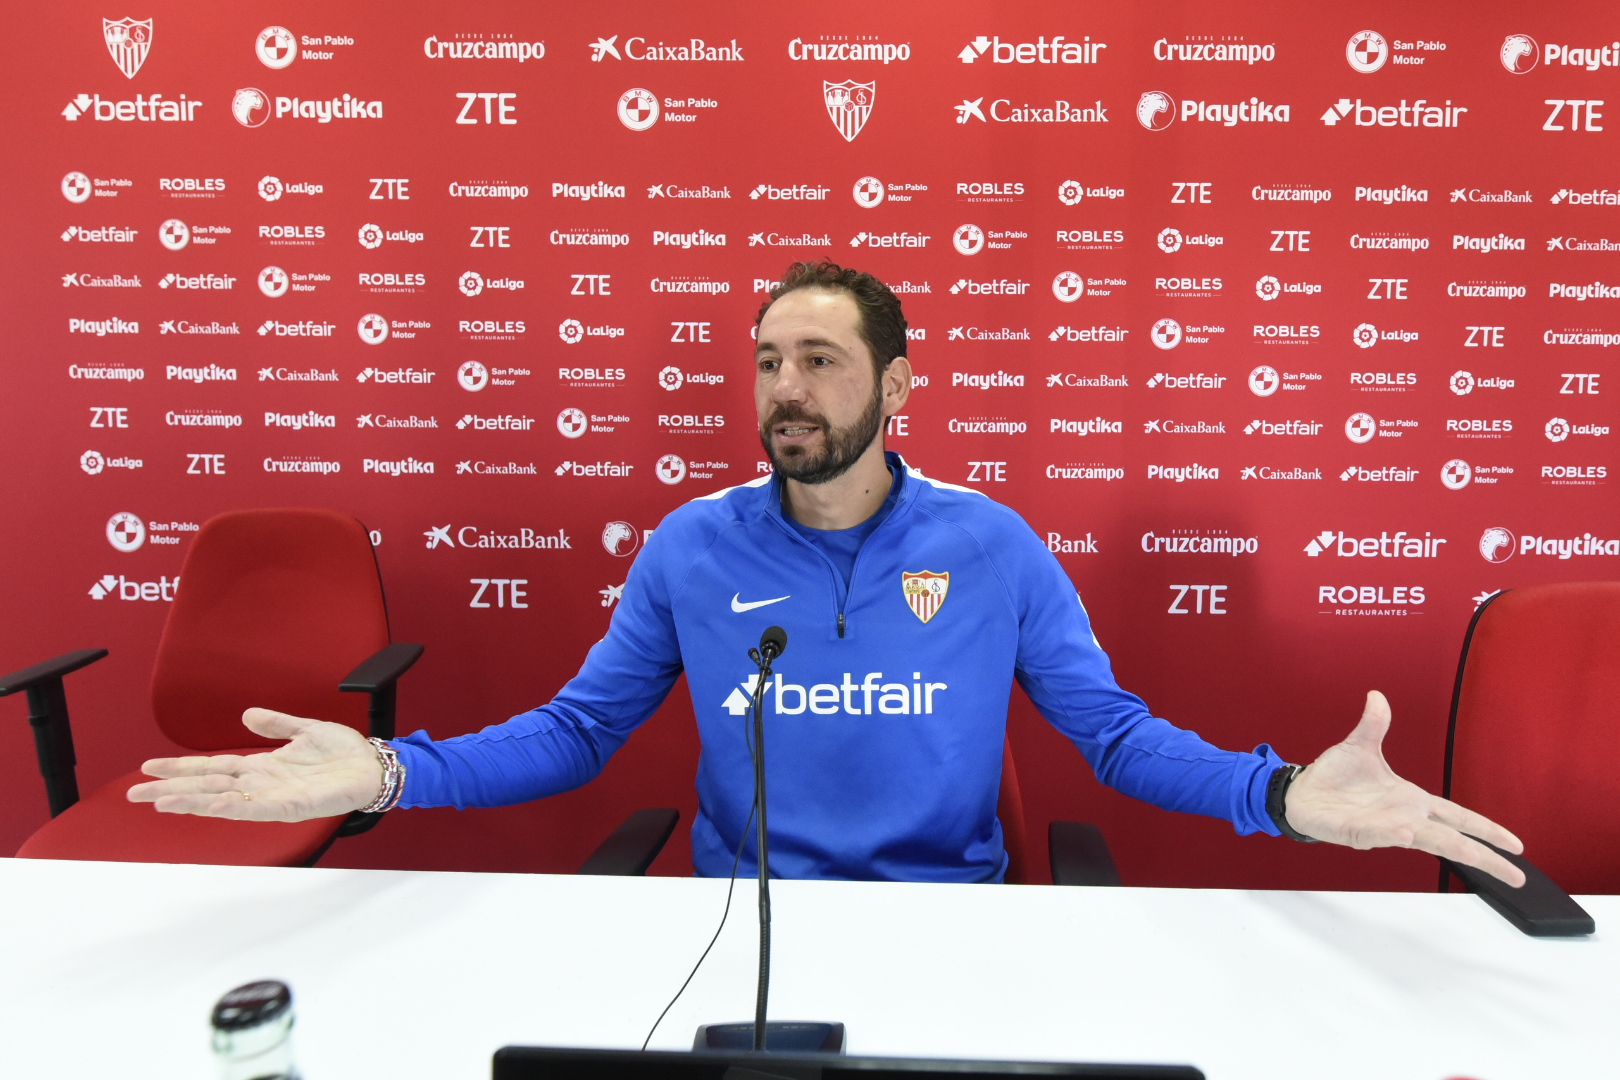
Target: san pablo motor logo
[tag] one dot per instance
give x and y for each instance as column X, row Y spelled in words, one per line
column 849, row 104
column 925, row 592
column 129, row 40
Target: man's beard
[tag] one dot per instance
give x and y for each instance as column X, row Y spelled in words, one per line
column 841, row 447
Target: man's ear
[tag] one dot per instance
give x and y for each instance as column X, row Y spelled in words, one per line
column 896, row 385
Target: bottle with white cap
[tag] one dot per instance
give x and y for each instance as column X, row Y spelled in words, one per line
column 253, row 1033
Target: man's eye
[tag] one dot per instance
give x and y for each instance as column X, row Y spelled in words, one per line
column 767, row 365
column 820, row 361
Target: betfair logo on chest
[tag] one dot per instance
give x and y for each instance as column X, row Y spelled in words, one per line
column 854, row 698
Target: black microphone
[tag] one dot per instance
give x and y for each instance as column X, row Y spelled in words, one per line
column 784, row 1036
column 772, row 643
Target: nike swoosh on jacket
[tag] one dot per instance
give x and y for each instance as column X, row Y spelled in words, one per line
column 884, row 732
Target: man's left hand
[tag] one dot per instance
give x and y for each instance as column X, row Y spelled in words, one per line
column 1351, row 796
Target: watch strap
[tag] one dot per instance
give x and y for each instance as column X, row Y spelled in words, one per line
column 1277, row 802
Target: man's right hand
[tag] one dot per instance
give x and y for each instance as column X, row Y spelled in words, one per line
column 324, row 771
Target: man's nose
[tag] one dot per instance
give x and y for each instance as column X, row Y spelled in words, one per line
column 788, row 384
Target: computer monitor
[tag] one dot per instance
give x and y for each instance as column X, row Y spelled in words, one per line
column 562, row 1063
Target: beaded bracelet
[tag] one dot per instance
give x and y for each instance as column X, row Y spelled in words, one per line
column 393, row 780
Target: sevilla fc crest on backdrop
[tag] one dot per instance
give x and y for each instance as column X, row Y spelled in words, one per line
column 129, row 41
column 849, row 103
column 925, row 592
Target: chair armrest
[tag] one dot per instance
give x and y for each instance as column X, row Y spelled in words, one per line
column 382, row 667
column 1540, row 908
column 633, row 845
column 46, row 670
column 1080, row 855
column 53, row 728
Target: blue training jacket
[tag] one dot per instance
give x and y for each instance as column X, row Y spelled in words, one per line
column 884, row 729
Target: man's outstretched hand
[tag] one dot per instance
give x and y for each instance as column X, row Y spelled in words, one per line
column 325, row 770
column 1351, row 796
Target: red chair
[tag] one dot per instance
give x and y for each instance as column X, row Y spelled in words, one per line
column 1079, row 854
column 1534, row 737
column 280, row 608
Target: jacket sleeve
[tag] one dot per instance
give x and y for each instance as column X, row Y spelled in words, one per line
column 1066, row 673
column 564, row 744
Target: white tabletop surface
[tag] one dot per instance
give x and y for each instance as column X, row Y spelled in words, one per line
column 111, row 969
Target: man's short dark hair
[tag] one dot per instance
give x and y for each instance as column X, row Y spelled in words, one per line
column 882, row 324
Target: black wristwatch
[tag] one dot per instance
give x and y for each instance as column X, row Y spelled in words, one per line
column 1277, row 802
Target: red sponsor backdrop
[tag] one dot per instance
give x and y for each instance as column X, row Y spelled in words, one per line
column 1262, row 342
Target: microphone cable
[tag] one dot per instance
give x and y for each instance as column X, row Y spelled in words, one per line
column 736, row 861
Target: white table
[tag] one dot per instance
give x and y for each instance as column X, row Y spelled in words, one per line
column 110, row 969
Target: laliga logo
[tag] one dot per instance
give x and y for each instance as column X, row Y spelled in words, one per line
column 1170, row 241
column 471, row 283
column 638, row 109
column 373, row 329
column 273, row 281
column 1068, row 287
column 671, row 468
column 572, row 423
column 1496, row 544
column 128, row 41
column 670, row 378
column 1519, row 55
column 849, row 105
column 1166, row 333
column 620, row 538
column 76, row 187
column 174, row 234
column 472, row 376
column 1365, row 336
column 969, row 239
column 250, row 106
column 125, row 531
column 1264, row 381
column 571, row 331
column 270, row 188
column 868, row 192
column 1367, row 51
column 1462, row 382
column 1268, row 288
column 276, row 47
column 1557, row 429
column 1156, row 110
column 1071, row 192
column 1360, row 428
column 371, row 236
column 1456, row 474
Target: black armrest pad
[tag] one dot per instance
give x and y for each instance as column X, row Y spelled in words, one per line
column 633, row 845
column 1080, row 855
column 49, row 669
column 381, row 668
column 1540, row 908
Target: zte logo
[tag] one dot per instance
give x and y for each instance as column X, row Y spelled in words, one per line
column 592, row 285
column 206, row 465
column 1581, row 112
column 1291, row 240
column 390, row 187
column 1387, row 288
column 690, row 333
column 1485, row 337
column 1207, row 600
column 491, row 236
column 509, row 592
column 1193, row 191
column 987, row 472
column 1579, row 382
column 498, row 108
column 109, row 417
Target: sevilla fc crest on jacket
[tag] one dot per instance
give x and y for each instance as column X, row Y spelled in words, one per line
column 925, row 592
column 849, row 103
